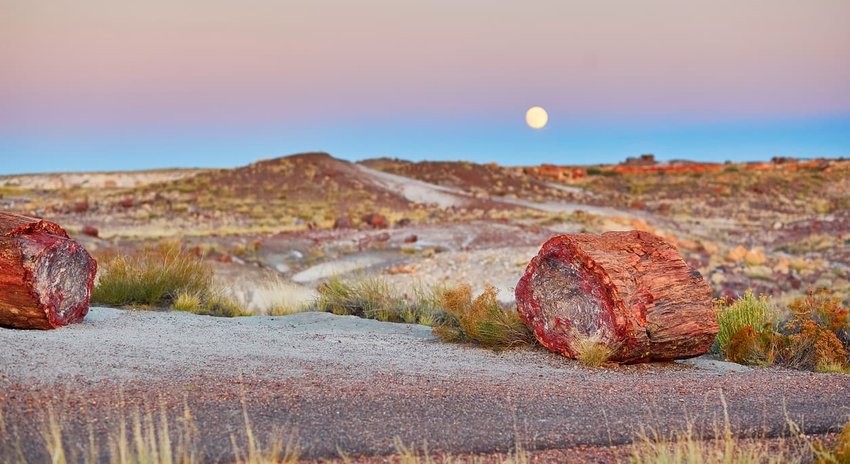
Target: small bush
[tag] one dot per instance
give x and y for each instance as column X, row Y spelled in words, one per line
column 483, row 320
column 749, row 311
column 813, row 332
column 155, row 277
column 591, row 351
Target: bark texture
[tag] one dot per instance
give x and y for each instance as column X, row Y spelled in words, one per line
column 630, row 290
column 45, row 277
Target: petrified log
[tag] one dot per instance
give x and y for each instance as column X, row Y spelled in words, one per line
column 630, row 290
column 45, row 277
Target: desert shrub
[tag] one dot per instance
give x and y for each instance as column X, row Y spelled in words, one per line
column 811, row 339
column 153, row 277
column 751, row 346
column 482, row 320
column 749, row 311
column 817, row 321
column 591, row 351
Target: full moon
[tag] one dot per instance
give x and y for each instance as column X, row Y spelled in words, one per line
column 536, row 117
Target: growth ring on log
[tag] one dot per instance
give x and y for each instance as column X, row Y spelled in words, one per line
column 45, row 277
column 630, row 290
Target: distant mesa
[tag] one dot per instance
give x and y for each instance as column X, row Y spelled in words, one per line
column 643, row 160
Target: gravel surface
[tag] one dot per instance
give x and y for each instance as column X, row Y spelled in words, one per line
column 354, row 385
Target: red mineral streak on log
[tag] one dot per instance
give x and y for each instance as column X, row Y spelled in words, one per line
column 45, row 277
column 630, row 290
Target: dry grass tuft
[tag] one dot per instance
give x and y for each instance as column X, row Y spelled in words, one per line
column 592, row 351
column 482, row 320
column 276, row 451
column 150, row 438
column 688, row 447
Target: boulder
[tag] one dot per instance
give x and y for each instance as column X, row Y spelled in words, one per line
column 45, row 277
column 629, row 290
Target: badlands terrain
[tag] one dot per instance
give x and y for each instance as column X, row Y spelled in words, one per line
column 342, row 386
column 778, row 227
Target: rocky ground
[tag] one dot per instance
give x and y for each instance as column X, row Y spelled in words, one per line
column 344, row 384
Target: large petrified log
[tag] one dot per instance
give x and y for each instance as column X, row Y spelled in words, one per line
column 45, row 277
column 630, row 290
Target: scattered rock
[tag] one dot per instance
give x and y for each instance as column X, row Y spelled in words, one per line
column 91, row 231
column 375, row 220
column 402, row 269
column 411, row 238
column 736, row 254
column 127, row 202
column 80, row 207
column 755, row 257
column 344, row 222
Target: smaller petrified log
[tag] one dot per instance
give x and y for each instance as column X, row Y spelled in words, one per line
column 45, row 277
column 630, row 290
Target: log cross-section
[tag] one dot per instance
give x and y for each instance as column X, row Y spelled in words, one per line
column 45, row 277
column 629, row 290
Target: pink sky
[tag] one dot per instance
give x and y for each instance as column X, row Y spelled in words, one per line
column 99, row 64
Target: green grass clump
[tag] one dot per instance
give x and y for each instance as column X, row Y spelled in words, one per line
column 749, row 311
column 162, row 277
column 482, row 320
column 368, row 298
column 373, row 298
column 153, row 277
column 591, row 351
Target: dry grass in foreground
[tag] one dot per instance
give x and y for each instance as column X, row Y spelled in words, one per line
column 149, row 437
column 152, row 437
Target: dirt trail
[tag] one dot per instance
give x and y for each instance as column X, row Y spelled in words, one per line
column 355, row 385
